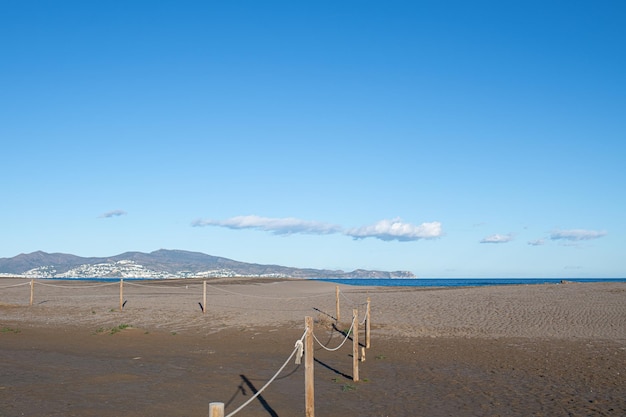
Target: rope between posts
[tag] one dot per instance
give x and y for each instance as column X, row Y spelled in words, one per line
column 341, row 344
column 77, row 286
column 296, row 349
column 256, row 308
column 16, row 285
column 351, row 301
column 361, row 323
column 267, row 298
column 165, row 287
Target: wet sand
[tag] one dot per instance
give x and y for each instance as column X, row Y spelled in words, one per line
column 541, row 350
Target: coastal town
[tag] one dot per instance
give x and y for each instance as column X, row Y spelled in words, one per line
column 126, row 269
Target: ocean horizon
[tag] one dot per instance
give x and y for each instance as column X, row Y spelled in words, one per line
column 460, row 282
column 393, row 282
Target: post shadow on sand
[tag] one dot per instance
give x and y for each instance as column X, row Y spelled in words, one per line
column 345, row 334
column 324, row 313
column 262, row 400
column 247, row 383
column 330, row 368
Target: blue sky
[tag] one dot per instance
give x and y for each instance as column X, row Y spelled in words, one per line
column 451, row 139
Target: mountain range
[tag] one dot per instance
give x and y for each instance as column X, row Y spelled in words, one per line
column 163, row 263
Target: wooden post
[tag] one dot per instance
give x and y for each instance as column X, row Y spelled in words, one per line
column 216, row 409
column 121, row 294
column 309, row 385
column 355, row 345
column 203, row 297
column 367, row 325
column 338, row 311
column 32, row 291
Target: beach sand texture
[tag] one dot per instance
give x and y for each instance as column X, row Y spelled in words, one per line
column 501, row 350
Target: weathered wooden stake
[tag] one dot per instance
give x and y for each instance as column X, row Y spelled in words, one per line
column 338, row 312
column 355, row 345
column 32, row 291
column 121, row 294
column 362, row 354
column 216, row 409
column 203, row 297
column 309, row 384
column 367, row 325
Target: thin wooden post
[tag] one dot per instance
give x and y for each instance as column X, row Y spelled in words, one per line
column 338, row 311
column 121, row 294
column 355, row 345
column 309, row 383
column 203, row 297
column 367, row 325
column 216, row 409
column 32, row 291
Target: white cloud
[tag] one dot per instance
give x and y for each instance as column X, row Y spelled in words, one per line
column 383, row 230
column 278, row 226
column 397, row 230
column 537, row 242
column 113, row 213
column 577, row 234
column 497, row 239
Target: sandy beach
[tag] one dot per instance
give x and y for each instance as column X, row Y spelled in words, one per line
column 528, row 350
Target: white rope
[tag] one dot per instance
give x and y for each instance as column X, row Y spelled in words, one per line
column 77, row 286
column 342, row 343
column 305, row 309
column 299, row 351
column 165, row 287
column 352, row 302
column 16, row 285
column 267, row 298
column 242, row 406
column 364, row 318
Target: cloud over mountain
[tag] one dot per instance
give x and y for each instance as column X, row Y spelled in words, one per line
column 384, row 230
column 278, row 226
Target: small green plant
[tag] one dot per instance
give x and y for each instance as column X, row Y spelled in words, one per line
column 380, row 357
column 174, row 333
column 100, row 330
column 348, row 387
column 10, row 330
column 119, row 328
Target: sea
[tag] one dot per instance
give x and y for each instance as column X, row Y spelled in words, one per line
column 459, row 282
column 408, row 282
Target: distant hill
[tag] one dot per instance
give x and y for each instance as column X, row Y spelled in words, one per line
column 163, row 264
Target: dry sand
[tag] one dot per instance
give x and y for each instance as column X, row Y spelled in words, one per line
column 531, row 350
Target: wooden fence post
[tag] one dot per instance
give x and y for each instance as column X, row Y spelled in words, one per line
column 203, row 297
column 216, row 409
column 32, row 291
column 121, row 293
column 338, row 311
column 309, row 383
column 355, row 345
column 367, row 325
